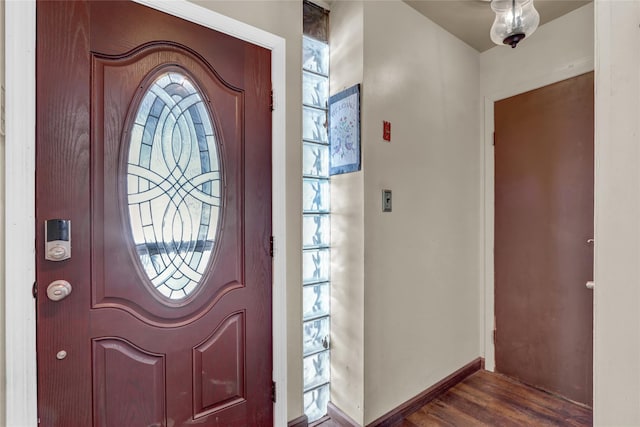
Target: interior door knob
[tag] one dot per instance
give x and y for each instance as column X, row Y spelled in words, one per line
column 590, row 284
column 58, row 290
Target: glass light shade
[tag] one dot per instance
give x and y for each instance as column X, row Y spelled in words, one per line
column 515, row 20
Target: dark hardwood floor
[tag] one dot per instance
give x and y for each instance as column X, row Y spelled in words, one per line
column 489, row 399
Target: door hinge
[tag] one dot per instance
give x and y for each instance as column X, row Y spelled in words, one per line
column 494, row 336
column 271, row 246
column 494, row 138
column 271, row 102
column 34, row 290
column 273, row 391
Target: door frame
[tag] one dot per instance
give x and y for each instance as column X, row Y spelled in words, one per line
column 487, row 239
column 20, row 398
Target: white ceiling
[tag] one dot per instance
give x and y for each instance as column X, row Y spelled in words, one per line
column 470, row 20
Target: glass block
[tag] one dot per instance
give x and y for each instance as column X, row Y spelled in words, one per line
column 315, row 403
column 315, row 56
column 314, row 125
column 315, row 300
column 315, row 160
column 315, row 195
column 315, row 21
column 173, row 185
column 314, row 332
column 315, row 265
column 315, row 230
column 315, row 90
column 316, row 370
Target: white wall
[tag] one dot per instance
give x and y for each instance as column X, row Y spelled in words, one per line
column 558, row 50
column 421, row 260
column 347, row 228
column 617, row 215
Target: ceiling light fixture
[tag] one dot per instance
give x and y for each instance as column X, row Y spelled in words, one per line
column 515, row 20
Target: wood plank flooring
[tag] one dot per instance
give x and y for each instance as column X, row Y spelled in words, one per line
column 489, row 399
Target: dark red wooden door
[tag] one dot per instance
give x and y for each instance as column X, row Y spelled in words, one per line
column 154, row 139
column 543, row 226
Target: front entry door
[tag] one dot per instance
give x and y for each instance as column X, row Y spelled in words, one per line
column 154, row 140
column 543, row 237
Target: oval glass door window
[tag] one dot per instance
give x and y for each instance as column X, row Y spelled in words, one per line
column 173, row 185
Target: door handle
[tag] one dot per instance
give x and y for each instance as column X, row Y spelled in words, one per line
column 58, row 290
column 590, row 284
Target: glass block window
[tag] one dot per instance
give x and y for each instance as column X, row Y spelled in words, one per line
column 316, row 231
column 173, row 185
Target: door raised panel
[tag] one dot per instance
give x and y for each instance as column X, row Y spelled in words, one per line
column 128, row 386
column 219, row 367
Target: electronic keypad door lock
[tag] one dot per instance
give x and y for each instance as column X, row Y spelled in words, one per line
column 57, row 236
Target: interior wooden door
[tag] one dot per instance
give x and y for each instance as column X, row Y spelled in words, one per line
column 544, row 169
column 154, row 140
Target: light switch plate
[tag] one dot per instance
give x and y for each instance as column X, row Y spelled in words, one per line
column 386, row 200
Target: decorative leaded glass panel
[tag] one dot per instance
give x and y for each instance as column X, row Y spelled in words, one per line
column 315, row 300
column 315, row 160
column 314, row 335
column 314, row 125
column 315, row 195
column 316, row 370
column 315, row 90
column 173, row 185
column 315, row 265
column 315, row 230
column 315, row 402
